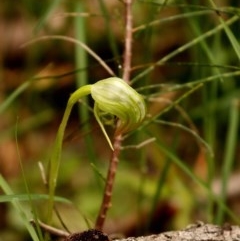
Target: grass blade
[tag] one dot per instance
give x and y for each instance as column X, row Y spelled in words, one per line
column 22, row 213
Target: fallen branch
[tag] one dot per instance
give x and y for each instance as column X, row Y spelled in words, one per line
column 194, row 232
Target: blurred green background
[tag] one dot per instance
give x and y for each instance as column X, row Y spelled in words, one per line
column 185, row 61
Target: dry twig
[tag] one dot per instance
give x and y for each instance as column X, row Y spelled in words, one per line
column 106, row 202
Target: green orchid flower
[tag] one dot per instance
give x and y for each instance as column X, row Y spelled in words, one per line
column 112, row 97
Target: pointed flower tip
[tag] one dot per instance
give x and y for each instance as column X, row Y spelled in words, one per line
column 116, row 97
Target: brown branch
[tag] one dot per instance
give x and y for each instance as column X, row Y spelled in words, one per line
column 128, row 41
column 106, row 202
column 193, row 232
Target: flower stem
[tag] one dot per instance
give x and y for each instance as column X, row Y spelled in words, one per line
column 112, row 169
column 128, row 41
column 57, row 148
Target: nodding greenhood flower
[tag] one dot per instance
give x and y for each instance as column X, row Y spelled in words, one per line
column 113, row 97
column 116, row 97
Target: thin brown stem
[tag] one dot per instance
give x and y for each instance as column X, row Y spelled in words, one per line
column 117, row 141
column 49, row 229
column 106, row 203
column 128, row 41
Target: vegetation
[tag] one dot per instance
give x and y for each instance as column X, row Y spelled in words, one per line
column 164, row 155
